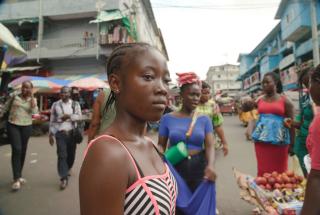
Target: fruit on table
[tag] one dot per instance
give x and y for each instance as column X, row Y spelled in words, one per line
column 261, row 181
column 275, row 180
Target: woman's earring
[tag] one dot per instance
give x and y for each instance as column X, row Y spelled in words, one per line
column 116, row 91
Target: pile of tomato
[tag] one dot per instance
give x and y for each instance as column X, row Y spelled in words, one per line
column 275, row 180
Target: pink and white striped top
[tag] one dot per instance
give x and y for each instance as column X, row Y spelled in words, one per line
column 149, row 195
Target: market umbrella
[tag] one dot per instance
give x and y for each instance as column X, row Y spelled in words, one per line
column 14, row 53
column 41, row 84
column 89, row 83
column 22, row 79
column 6, row 38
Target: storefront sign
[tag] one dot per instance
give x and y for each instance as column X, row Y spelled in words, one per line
column 289, row 76
column 246, row 83
column 255, row 78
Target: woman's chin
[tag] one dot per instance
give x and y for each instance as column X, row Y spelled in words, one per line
column 154, row 118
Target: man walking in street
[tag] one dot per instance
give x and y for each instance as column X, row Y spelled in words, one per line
column 63, row 120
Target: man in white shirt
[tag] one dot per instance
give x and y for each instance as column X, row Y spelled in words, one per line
column 64, row 116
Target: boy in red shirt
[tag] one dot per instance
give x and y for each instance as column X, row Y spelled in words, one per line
column 311, row 204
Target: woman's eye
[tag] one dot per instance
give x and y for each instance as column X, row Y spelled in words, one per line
column 167, row 81
column 148, row 77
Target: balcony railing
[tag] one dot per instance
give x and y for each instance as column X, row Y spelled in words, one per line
column 60, row 43
column 69, row 43
column 28, row 45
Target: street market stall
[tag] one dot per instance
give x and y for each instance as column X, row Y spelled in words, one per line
column 273, row 193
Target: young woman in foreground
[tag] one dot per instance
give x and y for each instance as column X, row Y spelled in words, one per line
column 122, row 172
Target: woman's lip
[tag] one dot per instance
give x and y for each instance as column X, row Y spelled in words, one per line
column 159, row 105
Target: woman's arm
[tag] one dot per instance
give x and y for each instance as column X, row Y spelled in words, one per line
column 103, row 180
column 210, row 156
column 163, row 133
column 95, row 121
column 311, row 204
column 290, row 114
column 220, row 133
column 162, row 144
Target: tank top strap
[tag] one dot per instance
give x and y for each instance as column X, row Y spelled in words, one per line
column 283, row 99
column 106, row 137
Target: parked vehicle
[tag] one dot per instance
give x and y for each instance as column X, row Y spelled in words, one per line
column 227, row 105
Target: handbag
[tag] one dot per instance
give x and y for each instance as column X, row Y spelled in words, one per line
column 76, row 131
column 5, row 109
column 4, row 116
column 178, row 152
column 77, row 135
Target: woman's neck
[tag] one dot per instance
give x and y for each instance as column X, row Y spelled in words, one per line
column 128, row 127
column 203, row 102
column 186, row 111
column 271, row 96
column 24, row 96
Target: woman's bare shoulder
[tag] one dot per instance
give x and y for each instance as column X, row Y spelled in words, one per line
column 106, row 151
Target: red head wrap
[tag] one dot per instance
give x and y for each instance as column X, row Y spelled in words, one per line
column 187, row 78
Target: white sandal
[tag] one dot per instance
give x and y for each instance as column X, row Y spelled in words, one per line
column 22, row 181
column 16, row 185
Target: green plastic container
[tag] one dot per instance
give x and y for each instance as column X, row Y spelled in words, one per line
column 176, row 153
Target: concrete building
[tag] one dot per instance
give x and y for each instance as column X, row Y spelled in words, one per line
column 223, row 78
column 76, row 37
column 286, row 50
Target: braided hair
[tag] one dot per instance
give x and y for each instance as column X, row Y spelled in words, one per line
column 277, row 81
column 116, row 61
column 315, row 74
column 315, row 85
column 302, row 74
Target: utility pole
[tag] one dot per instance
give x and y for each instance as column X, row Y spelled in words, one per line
column 99, row 5
column 40, row 30
column 314, row 26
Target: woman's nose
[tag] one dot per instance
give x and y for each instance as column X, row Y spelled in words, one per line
column 162, row 87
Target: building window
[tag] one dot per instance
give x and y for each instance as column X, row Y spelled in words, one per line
column 290, row 16
column 219, row 76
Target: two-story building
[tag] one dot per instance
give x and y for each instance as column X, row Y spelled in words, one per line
column 76, row 37
column 223, row 79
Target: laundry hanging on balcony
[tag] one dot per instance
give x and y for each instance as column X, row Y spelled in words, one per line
column 106, row 16
column 115, row 27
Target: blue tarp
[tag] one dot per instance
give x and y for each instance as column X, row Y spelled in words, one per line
column 201, row 202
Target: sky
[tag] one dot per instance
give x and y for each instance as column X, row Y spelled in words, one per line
column 202, row 33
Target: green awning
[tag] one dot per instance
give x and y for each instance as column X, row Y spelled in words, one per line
column 106, row 16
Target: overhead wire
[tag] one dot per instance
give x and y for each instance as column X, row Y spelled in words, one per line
column 215, row 6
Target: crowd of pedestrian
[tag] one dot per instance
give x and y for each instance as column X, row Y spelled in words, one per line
column 125, row 172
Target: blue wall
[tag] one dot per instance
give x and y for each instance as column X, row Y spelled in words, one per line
column 245, row 63
column 268, row 64
column 295, row 15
